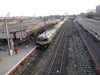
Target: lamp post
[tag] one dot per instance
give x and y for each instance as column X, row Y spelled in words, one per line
column 7, row 34
column 21, row 30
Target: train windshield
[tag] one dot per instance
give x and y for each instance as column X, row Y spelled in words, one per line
column 42, row 39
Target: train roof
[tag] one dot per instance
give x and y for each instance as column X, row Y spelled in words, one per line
column 47, row 33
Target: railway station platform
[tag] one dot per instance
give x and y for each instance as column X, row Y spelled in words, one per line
column 7, row 62
column 92, row 26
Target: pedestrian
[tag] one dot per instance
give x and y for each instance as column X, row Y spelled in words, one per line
column 15, row 48
column 11, row 47
column 11, row 52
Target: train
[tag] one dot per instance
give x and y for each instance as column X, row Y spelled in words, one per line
column 43, row 40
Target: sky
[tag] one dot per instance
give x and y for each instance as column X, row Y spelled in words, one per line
column 45, row 7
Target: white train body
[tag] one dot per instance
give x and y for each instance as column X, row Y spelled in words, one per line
column 47, row 36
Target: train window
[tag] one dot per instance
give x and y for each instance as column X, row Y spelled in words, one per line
column 44, row 39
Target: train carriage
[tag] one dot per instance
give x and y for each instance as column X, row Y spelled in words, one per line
column 46, row 37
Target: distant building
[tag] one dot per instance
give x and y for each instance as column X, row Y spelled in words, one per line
column 82, row 14
column 98, row 10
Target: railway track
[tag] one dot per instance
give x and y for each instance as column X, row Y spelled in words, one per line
column 94, row 57
column 81, row 57
column 33, row 62
column 71, row 57
column 57, row 65
column 27, row 68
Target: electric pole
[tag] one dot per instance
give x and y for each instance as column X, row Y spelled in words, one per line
column 45, row 25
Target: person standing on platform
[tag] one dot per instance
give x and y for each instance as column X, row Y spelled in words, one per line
column 16, row 48
column 12, row 47
column 15, row 43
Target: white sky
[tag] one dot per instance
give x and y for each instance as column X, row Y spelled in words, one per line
column 45, row 7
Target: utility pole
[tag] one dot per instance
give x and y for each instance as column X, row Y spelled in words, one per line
column 21, row 28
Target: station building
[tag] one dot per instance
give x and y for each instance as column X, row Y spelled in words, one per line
column 98, row 10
